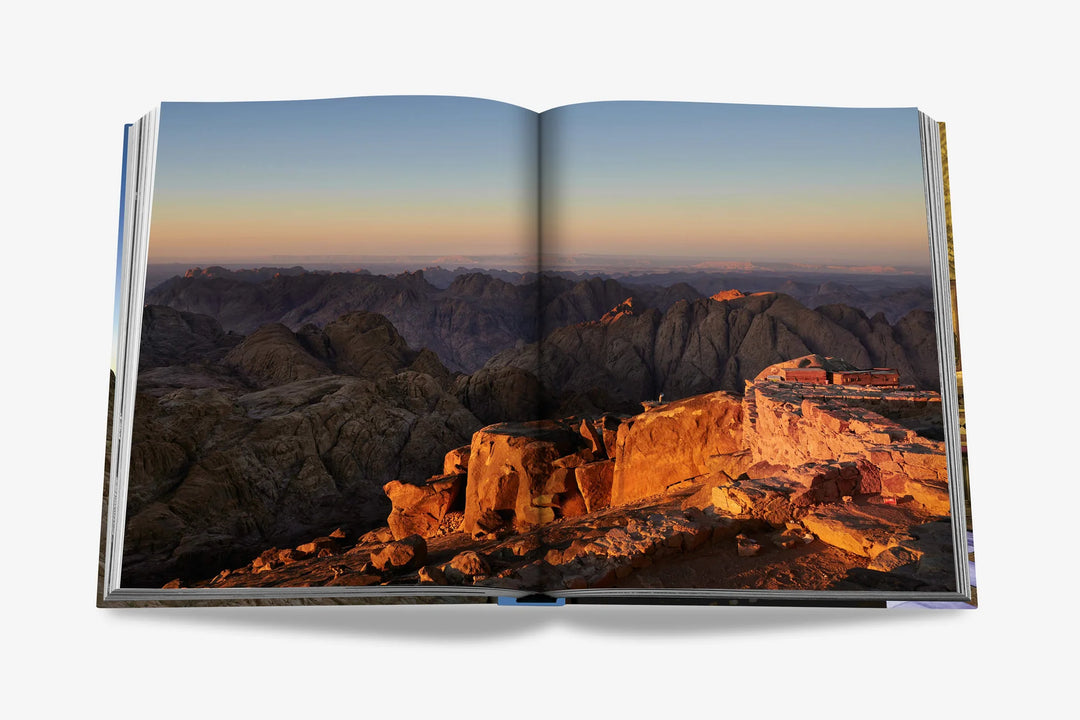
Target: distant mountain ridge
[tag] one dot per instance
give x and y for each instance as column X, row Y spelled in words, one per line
column 477, row 315
column 705, row 345
column 466, row 323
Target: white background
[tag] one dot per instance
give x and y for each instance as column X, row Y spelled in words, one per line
column 1002, row 77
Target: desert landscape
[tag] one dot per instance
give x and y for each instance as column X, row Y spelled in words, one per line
column 701, row 428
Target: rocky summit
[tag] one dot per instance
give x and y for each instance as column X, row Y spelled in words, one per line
column 789, row 485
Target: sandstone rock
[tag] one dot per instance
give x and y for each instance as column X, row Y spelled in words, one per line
column 489, row 521
column 431, row 575
column 519, row 546
column 470, row 563
column 608, row 426
column 378, row 535
column 510, row 464
column 702, row 498
column 456, row 461
column 288, row 556
column 265, row 561
column 418, row 509
column 673, row 443
column 572, row 504
column 593, row 437
column 531, row 515
column 892, row 559
column 866, row 530
column 410, row 552
column 561, row 480
column 309, row 549
column 594, row 481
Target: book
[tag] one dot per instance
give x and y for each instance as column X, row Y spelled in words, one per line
column 442, row 349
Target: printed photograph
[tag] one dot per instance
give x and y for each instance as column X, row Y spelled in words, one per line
column 446, row 341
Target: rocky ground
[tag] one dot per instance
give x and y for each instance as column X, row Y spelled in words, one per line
column 663, row 542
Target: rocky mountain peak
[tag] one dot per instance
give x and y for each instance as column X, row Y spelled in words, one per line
column 623, row 309
column 731, row 294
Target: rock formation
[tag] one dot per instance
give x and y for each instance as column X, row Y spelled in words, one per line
column 283, row 436
column 677, row 441
column 704, row 345
column 789, row 462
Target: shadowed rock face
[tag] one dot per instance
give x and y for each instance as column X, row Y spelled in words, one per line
column 464, row 324
column 361, row 344
column 171, row 337
column 701, row 346
column 501, row 393
column 282, row 437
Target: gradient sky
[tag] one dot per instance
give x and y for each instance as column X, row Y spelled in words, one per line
column 735, row 182
column 238, row 182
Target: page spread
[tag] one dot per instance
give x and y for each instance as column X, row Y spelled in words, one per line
column 434, row 346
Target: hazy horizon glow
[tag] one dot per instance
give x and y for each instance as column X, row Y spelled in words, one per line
column 350, row 176
column 438, row 176
column 735, row 182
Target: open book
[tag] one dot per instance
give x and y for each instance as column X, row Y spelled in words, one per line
column 452, row 349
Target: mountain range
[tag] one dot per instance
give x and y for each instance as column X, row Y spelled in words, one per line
column 273, row 407
column 476, row 315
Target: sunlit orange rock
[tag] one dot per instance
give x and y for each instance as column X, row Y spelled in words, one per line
column 407, row 553
column 594, row 482
column 418, row 508
column 510, row 468
column 673, row 442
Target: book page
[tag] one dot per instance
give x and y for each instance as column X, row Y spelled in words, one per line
column 739, row 327
column 327, row 282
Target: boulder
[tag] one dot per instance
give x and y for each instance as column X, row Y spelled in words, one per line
column 866, row 530
column 608, row 426
column 593, row 437
column 594, row 483
column 470, row 563
column 674, row 442
column 510, row 466
column 310, row 549
column 418, row 509
column 768, row 499
column 378, row 535
column 431, row 575
column 456, row 462
column 410, row 552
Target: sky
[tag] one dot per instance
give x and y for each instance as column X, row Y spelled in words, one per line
column 350, row 178
column 344, row 177
column 735, row 182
